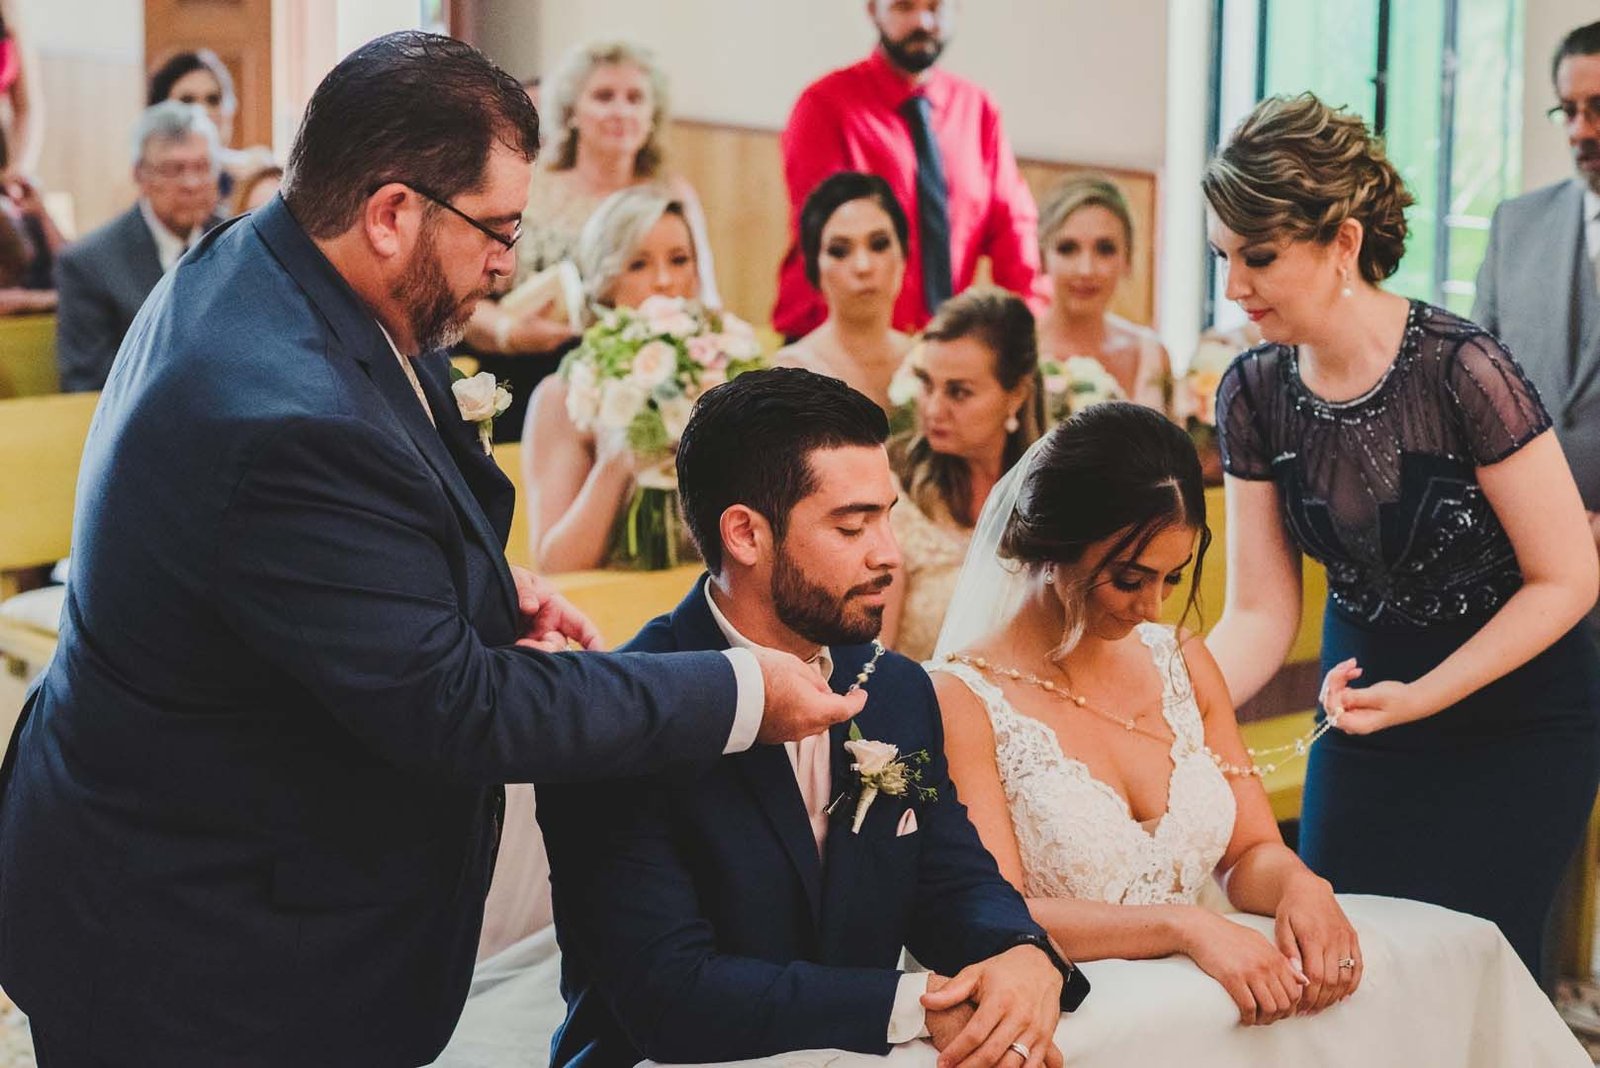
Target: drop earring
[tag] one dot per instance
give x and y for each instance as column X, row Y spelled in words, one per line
column 1344, row 276
column 1012, row 426
column 1050, row 574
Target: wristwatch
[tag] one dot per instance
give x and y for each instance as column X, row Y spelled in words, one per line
column 1074, row 984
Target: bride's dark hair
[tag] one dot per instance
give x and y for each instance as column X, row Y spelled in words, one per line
column 1113, row 468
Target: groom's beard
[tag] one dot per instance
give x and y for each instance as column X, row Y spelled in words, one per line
column 819, row 615
column 438, row 319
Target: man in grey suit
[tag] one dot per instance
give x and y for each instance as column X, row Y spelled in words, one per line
column 1539, row 286
column 103, row 280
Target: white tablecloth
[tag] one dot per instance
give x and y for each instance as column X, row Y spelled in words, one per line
column 1440, row 990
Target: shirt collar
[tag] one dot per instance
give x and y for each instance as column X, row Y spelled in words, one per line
column 170, row 247
column 823, row 658
column 897, row 88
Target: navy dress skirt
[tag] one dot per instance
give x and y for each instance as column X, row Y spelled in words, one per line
column 1480, row 806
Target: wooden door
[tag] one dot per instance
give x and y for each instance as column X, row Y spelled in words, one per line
column 238, row 31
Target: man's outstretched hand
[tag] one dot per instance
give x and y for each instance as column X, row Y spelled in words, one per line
column 549, row 621
column 798, row 701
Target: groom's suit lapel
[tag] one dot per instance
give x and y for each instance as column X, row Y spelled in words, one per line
column 844, row 848
column 765, row 769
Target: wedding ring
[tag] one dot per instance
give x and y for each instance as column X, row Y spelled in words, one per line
column 1020, row 1050
column 1347, row 962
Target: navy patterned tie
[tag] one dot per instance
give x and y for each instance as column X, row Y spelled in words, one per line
column 933, row 203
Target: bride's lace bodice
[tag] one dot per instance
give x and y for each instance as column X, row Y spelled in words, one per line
column 1077, row 836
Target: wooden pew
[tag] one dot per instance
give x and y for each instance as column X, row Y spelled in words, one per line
column 28, row 356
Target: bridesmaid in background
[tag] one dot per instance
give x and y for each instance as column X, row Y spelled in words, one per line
column 636, row 245
column 605, row 113
column 1402, row 447
column 1086, row 248
column 979, row 407
column 853, row 238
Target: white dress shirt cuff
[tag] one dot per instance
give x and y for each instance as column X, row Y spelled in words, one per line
column 751, row 702
column 909, row 1019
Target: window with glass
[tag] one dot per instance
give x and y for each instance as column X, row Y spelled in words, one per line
column 1439, row 80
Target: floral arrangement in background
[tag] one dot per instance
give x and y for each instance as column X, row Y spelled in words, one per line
column 638, row 373
column 1196, row 401
column 1075, row 383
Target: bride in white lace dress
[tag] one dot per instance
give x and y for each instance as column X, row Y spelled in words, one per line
column 1098, row 754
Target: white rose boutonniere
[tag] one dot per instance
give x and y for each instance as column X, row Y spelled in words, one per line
column 881, row 769
column 480, row 399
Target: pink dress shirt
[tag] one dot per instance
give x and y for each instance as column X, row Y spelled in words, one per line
column 850, row 120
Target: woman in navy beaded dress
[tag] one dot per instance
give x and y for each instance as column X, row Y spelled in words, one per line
column 1403, row 448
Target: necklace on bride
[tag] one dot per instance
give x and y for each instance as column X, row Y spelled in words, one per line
column 1256, row 768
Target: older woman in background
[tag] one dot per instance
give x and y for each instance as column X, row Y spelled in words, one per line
column 636, row 245
column 979, row 407
column 605, row 112
column 853, row 238
column 199, row 77
column 1086, row 248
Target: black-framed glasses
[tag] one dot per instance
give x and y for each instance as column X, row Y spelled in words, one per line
column 479, row 225
column 1564, row 113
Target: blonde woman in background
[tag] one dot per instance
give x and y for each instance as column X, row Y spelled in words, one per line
column 979, row 407
column 638, row 244
column 605, row 113
column 853, row 238
column 1086, row 249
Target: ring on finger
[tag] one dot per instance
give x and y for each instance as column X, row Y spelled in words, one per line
column 1020, row 1050
column 1347, row 962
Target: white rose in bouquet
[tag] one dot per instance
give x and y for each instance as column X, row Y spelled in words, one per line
column 668, row 315
column 653, row 364
column 674, row 415
column 620, row 403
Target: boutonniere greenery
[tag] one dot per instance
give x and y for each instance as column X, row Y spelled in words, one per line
column 480, row 398
column 881, row 769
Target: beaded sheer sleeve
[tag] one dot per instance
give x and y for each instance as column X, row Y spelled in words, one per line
column 1382, row 489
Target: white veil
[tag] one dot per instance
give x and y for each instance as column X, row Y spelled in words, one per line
column 989, row 589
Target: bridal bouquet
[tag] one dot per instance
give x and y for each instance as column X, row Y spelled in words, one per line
column 1075, row 383
column 637, row 373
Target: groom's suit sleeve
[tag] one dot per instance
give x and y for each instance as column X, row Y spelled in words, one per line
column 337, row 564
column 966, row 911
column 628, row 909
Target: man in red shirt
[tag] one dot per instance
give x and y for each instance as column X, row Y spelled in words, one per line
column 937, row 140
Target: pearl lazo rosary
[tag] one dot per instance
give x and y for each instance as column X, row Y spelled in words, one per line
column 1256, row 768
column 868, row 668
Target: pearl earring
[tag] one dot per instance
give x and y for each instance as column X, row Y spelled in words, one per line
column 1344, row 276
column 1011, row 424
column 1050, row 574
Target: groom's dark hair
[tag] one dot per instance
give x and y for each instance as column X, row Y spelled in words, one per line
column 749, row 442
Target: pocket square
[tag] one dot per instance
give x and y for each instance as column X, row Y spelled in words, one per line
column 908, row 823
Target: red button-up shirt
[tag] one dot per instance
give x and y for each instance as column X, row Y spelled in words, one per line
column 851, row 120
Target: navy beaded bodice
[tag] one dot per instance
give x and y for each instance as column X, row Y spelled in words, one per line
column 1383, row 489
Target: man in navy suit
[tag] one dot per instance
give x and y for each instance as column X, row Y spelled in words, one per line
column 757, row 909
column 251, row 808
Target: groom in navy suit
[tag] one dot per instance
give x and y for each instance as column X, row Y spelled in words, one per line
column 251, row 808
column 759, row 909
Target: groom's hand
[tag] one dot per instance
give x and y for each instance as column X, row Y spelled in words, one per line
column 798, row 701
column 1018, row 997
column 549, row 621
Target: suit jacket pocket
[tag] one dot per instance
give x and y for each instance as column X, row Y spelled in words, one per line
column 323, row 879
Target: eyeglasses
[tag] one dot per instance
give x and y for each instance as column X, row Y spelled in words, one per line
column 482, row 227
column 172, row 170
column 1567, row 112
